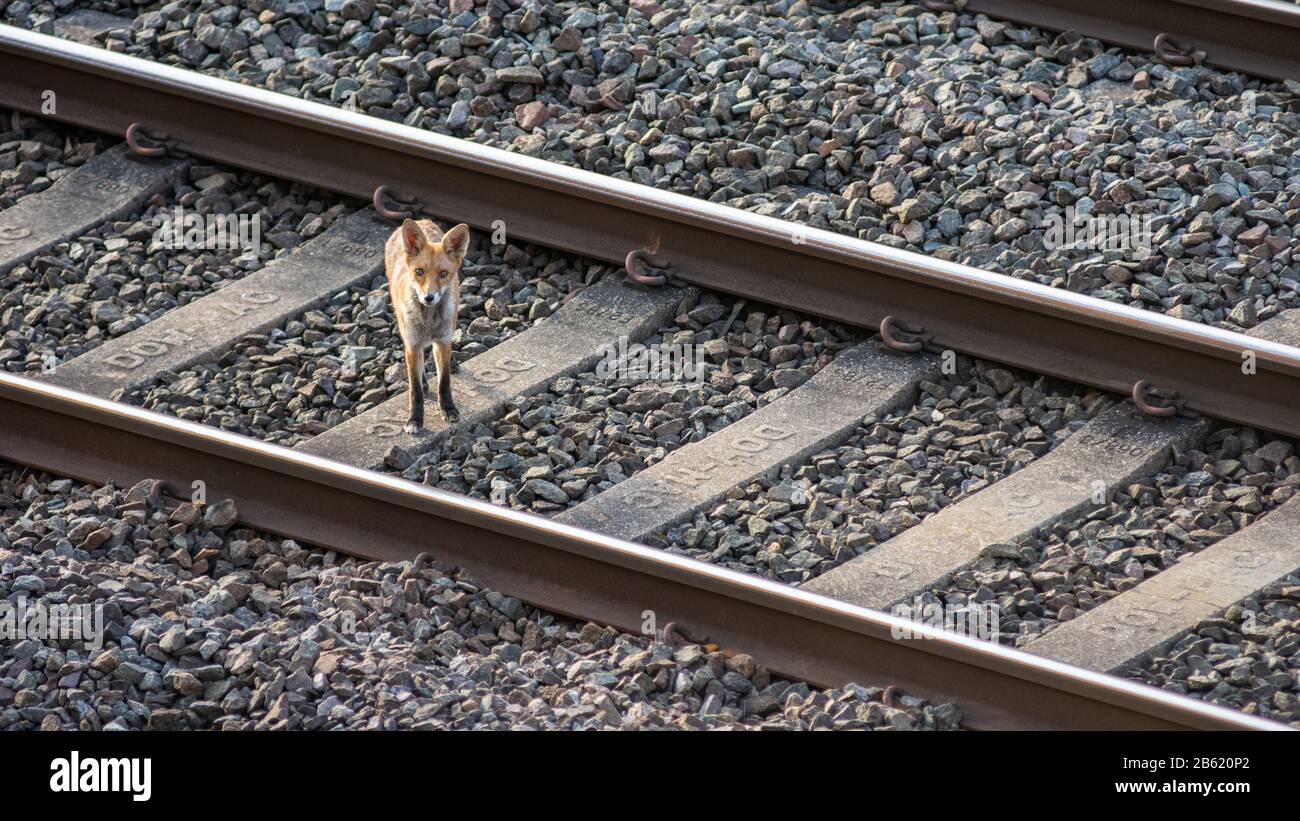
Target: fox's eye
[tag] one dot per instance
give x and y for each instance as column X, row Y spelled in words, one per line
column 443, row 275
column 419, row 272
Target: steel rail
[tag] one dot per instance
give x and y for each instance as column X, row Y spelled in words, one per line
column 1254, row 36
column 575, row 572
column 997, row 317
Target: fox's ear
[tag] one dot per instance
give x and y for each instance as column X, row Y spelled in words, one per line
column 412, row 236
column 455, row 243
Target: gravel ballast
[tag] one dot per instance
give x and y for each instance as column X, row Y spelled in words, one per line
column 1207, row 493
column 344, row 358
column 125, row 273
column 35, row 154
column 951, row 134
column 209, row 625
column 967, row 431
column 555, row 449
column 1243, row 658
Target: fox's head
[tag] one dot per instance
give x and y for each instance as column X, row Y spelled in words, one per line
column 434, row 266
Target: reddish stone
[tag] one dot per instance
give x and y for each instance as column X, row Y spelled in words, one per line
column 827, row 147
column 531, row 115
column 1254, row 236
column 568, row 40
column 578, row 95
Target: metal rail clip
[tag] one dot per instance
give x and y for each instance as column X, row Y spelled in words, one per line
column 1173, row 52
column 144, row 144
column 1140, row 389
column 674, row 631
column 891, row 327
column 643, row 257
column 383, row 196
column 889, row 697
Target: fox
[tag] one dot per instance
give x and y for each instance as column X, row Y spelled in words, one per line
column 423, row 269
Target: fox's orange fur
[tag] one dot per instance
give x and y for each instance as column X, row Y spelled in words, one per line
column 423, row 267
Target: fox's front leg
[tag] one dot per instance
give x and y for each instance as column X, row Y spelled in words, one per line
column 424, row 372
column 415, row 387
column 442, row 354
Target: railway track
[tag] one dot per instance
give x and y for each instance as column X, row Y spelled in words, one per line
column 1251, row 37
column 336, row 487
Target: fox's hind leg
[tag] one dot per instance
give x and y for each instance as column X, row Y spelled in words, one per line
column 442, row 354
column 415, row 387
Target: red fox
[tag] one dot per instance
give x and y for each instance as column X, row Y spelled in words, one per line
column 423, row 267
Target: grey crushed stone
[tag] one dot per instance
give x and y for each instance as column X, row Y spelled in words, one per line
column 116, row 278
column 1207, row 493
column 210, row 625
column 1244, row 658
column 37, row 153
column 966, row 431
column 553, row 450
column 952, row 134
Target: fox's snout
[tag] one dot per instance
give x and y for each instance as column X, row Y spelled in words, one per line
column 431, row 294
